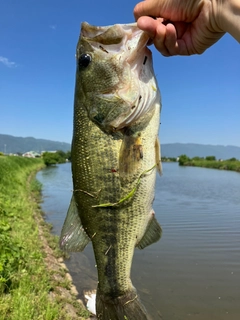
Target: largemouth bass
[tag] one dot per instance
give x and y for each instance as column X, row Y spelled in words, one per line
column 115, row 156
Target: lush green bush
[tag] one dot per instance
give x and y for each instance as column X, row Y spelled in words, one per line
column 52, row 158
column 197, row 158
column 183, row 160
column 210, row 158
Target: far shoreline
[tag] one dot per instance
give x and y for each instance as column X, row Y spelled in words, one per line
column 210, row 162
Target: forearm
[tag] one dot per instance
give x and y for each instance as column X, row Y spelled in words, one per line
column 229, row 17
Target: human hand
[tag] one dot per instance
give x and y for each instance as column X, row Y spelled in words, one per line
column 181, row 27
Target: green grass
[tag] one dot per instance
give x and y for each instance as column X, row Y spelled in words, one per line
column 25, row 283
column 233, row 165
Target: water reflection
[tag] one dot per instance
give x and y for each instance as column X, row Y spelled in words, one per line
column 194, row 271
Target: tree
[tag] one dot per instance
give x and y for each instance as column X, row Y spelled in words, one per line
column 197, row 158
column 183, row 159
column 51, row 158
column 68, row 155
column 210, row 158
column 61, row 153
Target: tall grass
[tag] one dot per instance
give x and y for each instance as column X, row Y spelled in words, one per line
column 25, row 283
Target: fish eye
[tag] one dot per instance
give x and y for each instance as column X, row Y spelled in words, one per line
column 84, row 60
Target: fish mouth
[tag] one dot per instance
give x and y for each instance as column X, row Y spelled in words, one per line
column 137, row 87
column 143, row 91
column 118, row 38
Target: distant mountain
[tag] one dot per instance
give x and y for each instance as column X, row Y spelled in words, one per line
column 200, row 150
column 11, row 144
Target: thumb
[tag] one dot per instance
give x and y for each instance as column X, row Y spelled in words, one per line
column 153, row 8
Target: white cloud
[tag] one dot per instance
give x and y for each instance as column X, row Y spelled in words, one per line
column 7, row 62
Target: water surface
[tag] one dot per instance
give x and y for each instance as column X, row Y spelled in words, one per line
column 193, row 272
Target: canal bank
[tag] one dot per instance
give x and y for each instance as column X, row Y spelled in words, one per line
column 34, row 281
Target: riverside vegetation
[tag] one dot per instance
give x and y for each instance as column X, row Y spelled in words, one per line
column 29, row 288
column 51, row 158
column 210, row 162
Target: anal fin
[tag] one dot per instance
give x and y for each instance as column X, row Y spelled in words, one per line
column 73, row 237
column 152, row 234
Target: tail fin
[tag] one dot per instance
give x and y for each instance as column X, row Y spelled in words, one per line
column 126, row 307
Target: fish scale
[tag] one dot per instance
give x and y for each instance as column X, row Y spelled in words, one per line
column 114, row 161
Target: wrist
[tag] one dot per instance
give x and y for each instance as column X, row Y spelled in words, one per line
column 228, row 16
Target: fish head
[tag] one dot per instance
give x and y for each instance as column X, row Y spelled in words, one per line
column 115, row 80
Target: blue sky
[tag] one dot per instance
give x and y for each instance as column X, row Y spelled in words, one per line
column 200, row 94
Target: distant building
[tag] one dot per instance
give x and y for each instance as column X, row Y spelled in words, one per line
column 48, row 152
column 31, row 154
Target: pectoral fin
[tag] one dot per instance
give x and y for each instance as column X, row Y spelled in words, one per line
column 158, row 156
column 73, row 237
column 152, row 234
column 131, row 154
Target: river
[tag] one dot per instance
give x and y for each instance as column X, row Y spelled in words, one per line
column 193, row 272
